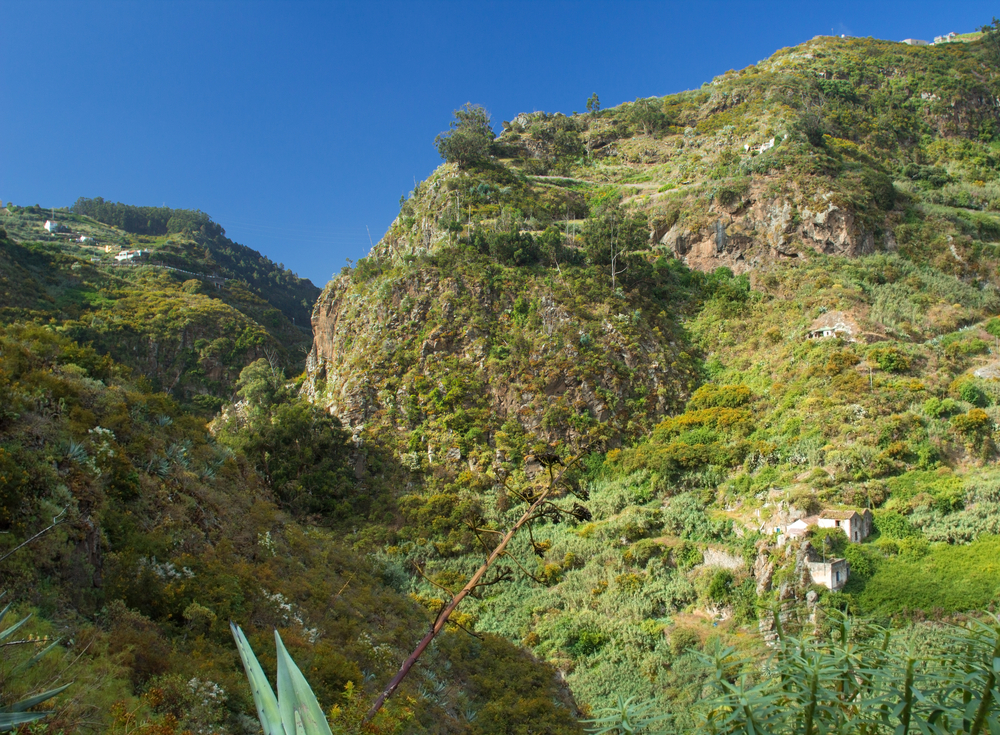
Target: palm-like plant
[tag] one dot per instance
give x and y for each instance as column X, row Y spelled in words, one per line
column 843, row 683
column 866, row 686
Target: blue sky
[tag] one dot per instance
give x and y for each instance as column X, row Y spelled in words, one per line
column 297, row 125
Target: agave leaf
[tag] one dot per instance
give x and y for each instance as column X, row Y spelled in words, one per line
column 286, row 693
column 37, row 699
column 15, row 626
column 25, row 665
column 295, row 696
column 10, row 720
column 263, row 695
column 8, row 606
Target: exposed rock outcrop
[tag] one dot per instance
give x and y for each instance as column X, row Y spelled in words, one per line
column 760, row 228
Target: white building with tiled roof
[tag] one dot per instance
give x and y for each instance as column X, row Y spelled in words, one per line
column 834, row 324
column 857, row 526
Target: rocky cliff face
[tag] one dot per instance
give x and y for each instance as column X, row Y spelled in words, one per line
column 463, row 361
column 762, row 228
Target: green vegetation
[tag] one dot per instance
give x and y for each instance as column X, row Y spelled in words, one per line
column 840, row 678
column 297, row 448
column 14, row 712
column 189, row 335
column 939, row 579
column 639, row 284
column 468, row 141
column 168, row 534
column 642, row 287
column 192, row 241
column 868, row 682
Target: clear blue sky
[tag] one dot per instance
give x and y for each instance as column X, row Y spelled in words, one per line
column 297, row 124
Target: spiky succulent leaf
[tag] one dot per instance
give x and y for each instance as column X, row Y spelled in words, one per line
column 10, row 720
column 295, row 696
column 263, row 695
column 15, row 626
column 25, row 665
column 37, row 699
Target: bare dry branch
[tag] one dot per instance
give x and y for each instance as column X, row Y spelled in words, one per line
column 474, row 582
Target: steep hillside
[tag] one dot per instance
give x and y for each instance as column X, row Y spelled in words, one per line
column 165, row 532
column 214, row 251
column 839, row 146
column 456, row 347
column 768, row 297
column 793, row 155
column 175, row 313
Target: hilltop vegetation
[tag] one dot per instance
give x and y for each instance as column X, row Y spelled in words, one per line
column 271, row 281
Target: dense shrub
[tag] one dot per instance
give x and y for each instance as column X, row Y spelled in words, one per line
column 941, row 407
column 469, row 140
column 893, row 525
column 508, row 247
column 980, row 517
column 949, row 579
column 299, row 448
column 723, row 396
column 890, row 359
column 976, row 428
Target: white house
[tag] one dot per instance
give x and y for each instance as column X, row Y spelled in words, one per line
column 915, row 42
column 766, row 146
column 52, row 226
column 834, row 324
column 832, row 573
column 856, row 526
column 798, row 528
column 130, row 255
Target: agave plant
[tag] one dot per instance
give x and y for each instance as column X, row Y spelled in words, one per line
column 630, row 716
column 16, row 714
column 295, row 710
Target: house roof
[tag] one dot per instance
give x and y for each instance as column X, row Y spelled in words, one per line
column 827, row 563
column 841, row 515
column 799, row 527
column 835, row 320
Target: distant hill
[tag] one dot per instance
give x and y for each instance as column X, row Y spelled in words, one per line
column 278, row 285
column 189, row 310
